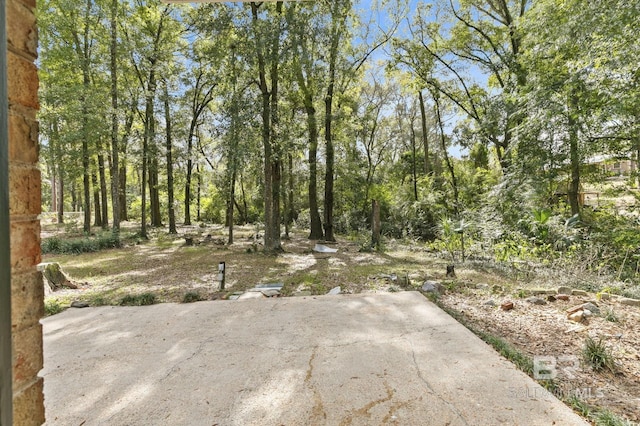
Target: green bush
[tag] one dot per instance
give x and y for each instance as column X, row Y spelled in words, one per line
column 138, row 299
column 191, row 297
column 52, row 307
column 597, row 355
column 56, row 245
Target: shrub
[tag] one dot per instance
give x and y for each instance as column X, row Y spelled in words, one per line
column 597, row 355
column 138, row 299
column 52, row 307
column 191, row 297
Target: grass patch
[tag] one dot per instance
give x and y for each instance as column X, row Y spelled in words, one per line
column 191, row 297
column 610, row 315
column 607, row 418
column 597, row 355
column 52, row 307
column 139, row 299
column 57, row 245
column 579, row 406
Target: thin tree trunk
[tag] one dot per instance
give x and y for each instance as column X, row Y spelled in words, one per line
column 187, row 186
column 312, row 124
column 425, row 136
column 443, row 145
column 199, row 183
column 115, row 160
column 336, row 36
column 103, row 186
column 230, row 203
column 272, row 168
column 167, row 115
column 414, row 166
column 96, row 200
column 61, row 199
column 574, row 158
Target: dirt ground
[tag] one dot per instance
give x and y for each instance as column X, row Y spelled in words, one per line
column 170, row 269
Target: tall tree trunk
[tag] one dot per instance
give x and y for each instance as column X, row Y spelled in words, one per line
column 96, row 199
column 198, row 189
column 414, row 165
column 230, row 204
column 574, row 156
column 425, row 136
column 290, row 204
column 154, row 187
column 115, row 160
column 61, row 199
column 103, row 186
column 83, row 52
column 312, row 124
column 167, row 116
column 272, row 166
column 187, row 186
column 443, row 145
column 122, row 174
column 338, row 18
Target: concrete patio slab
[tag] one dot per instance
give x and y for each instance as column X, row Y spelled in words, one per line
column 331, row 360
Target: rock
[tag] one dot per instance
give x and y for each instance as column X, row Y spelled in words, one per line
column 431, row 287
column 605, row 296
column 591, row 308
column 490, row 303
column 564, row 297
column 577, row 316
column 629, row 302
column 579, row 293
column 564, row 290
column 334, row 291
column 541, row 291
column 587, row 313
column 497, row 289
column 251, row 295
column 551, row 298
column 574, row 309
column 270, row 293
column 536, row 300
column 77, row 304
column 507, row 306
column 482, row 286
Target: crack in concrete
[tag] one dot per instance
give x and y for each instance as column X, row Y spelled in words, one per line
column 451, row 406
column 318, row 411
column 364, row 411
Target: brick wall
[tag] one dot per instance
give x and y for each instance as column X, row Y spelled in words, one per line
column 24, row 208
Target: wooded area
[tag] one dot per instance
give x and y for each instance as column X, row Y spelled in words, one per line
column 472, row 124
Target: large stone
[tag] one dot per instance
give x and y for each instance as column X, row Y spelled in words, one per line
column 564, row 290
column 629, row 302
column 431, row 287
column 25, row 245
column 591, row 308
column 577, row 316
column 22, row 76
column 536, row 301
column 27, row 292
column 21, row 29
column 28, row 403
column 579, row 293
column 507, row 306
